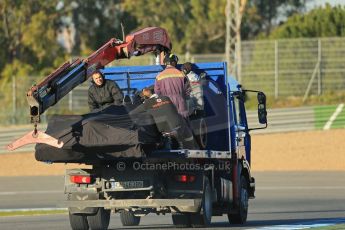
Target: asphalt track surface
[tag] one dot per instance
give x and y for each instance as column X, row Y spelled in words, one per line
column 281, row 198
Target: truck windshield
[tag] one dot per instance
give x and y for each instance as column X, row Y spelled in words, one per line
column 238, row 104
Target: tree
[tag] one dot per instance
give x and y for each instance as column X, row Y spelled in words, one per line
column 325, row 21
column 28, row 35
column 261, row 16
column 28, row 32
column 95, row 22
column 198, row 26
column 205, row 31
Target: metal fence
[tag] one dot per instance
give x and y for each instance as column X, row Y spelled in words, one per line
column 280, row 68
column 294, row 67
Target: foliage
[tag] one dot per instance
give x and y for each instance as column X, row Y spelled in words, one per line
column 95, row 22
column 263, row 15
column 30, row 28
column 28, row 35
column 325, row 21
column 198, row 26
column 206, row 28
column 16, row 68
column 193, row 26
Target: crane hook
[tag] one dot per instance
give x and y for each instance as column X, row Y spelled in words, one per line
column 35, row 133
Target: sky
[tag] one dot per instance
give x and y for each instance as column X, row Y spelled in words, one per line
column 315, row 3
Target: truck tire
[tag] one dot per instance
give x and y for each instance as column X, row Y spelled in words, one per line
column 181, row 220
column 128, row 218
column 78, row 221
column 241, row 216
column 203, row 218
column 100, row 221
column 201, row 133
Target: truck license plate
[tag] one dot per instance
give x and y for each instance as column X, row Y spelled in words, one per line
column 128, row 184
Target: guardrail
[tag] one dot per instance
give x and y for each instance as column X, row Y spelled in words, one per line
column 279, row 120
column 285, row 120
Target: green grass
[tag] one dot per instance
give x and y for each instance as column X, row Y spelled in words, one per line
column 333, row 227
column 32, row 213
column 323, row 113
column 340, row 120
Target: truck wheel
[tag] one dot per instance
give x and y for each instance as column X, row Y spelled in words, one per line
column 203, row 218
column 181, row 220
column 100, row 221
column 128, row 218
column 78, row 221
column 241, row 216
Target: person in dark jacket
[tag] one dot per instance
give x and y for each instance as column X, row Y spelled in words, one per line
column 103, row 93
column 166, row 118
column 172, row 82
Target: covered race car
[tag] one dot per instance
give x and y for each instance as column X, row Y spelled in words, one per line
column 98, row 136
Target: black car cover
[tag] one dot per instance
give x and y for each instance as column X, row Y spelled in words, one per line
column 97, row 136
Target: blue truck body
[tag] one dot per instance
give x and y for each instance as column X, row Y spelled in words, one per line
column 224, row 123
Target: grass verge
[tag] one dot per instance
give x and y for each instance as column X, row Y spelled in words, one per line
column 324, row 113
column 333, row 227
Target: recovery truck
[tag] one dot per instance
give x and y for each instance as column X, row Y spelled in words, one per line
column 191, row 184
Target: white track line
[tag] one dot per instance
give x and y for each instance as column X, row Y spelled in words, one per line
column 13, row 193
column 302, row 188
column 333, row 117
column 304, row 225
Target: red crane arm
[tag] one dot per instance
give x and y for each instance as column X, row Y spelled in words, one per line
column 151, row 39
column 69, row 75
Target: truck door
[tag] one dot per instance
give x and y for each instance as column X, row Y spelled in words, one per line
column 243, row 141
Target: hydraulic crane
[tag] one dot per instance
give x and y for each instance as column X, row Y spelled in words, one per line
column 71, row 74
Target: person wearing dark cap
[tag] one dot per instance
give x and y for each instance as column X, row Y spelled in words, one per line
column 166, row 118
column 103, row 93
column 172, row 83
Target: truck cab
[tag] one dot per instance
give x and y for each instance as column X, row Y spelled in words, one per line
column 191, row 184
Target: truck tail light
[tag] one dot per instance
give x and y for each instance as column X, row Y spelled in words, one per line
column 185, row 178
column 80, row 179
